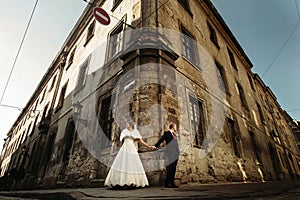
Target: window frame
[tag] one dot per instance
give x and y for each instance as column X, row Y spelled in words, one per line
column 90, row 32
column 186, row 5
column 82, row 76
column 114, row 34
column 43, row 95
column 261, row 113
column 234, row 137
column 198, row 125
column 187, row 37
column 232, row 59
column 221, row 73
column 252, row 85
column 116, row 3
column 242, row 95
column 71, row 57
column 106, row 117
column 62, row 95
column 256, row 147
column 44, row 115
column 213, row 35
column 53, row 82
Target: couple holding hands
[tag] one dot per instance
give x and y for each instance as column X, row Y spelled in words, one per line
column 127, row 169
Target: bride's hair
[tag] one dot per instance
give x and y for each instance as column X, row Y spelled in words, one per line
column 131, row 124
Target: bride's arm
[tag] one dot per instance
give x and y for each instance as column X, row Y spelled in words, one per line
column 145, row 144
column 121, row 143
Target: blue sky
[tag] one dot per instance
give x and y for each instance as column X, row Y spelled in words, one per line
column 261, row 27
column 52, row 22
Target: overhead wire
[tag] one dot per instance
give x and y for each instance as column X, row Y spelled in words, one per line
column 294, row 110
column 277, row 55
column 296, row 2
column 9, row 106
column 284, row 45
column 281, row 49
column 23, row 39
column 18, row 53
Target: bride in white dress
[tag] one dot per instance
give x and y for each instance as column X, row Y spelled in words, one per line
column 127, row 168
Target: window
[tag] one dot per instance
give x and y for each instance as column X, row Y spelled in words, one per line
column 255, row 147
column 235, row 138
column 232, row 60
column 53, row 82
column 28, row 129
column 275, row 136
column 260, row 111
column 274, row 133
column 34, row 125
column 223, row 84
column 116, row 3
column 188, row 46
column 213, row 35
column 271, row 107
column 116, row 41
column 45, row 111
column 71, row 58
column 23, row 137
column 106, row 119
column 282, row 159
column 68, row 141
column 278, row 115
column 43, row 96
column 185, row 5
column 297, row 135
column 251, row 82
column 90, row 32
column 24, row 120
column 242, row 96
column 287, row 139
column 82, row 75
column 62, row 96
column 36, row 103
column 197, row 121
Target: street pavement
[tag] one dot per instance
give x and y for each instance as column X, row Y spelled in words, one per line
column 245, row 191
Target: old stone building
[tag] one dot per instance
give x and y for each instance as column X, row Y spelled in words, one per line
column 157, row 62
column 295, row 125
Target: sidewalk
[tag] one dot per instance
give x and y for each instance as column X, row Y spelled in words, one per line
column 270, row 190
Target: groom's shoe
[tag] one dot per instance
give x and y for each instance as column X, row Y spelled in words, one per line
column 171, row 185
column 168, row 185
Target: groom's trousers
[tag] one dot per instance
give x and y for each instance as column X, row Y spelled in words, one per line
column 171, row 170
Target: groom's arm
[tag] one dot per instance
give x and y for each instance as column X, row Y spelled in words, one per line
column 160, row 140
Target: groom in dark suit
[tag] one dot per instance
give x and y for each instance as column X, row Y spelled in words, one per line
column 172, row 151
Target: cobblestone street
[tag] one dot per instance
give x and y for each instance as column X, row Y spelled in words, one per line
column 248, row 191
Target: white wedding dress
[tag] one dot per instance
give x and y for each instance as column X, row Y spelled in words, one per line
column 127, row 168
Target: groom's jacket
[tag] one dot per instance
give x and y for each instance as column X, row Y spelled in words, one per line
column 172, row 148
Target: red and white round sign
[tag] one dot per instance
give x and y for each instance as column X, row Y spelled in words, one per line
column 101, row 16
